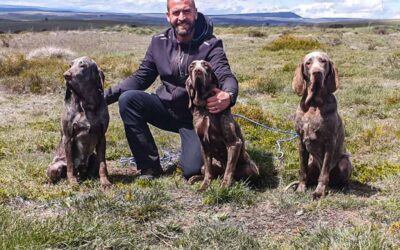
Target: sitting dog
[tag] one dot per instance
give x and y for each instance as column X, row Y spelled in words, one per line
column 323, row 157
column 84, row 122
column 223, row 147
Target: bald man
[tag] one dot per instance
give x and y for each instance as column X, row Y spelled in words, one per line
column 169, row 54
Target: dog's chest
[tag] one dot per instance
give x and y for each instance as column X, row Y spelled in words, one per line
column 81, row 124
column 210, row 135
column 309, row 124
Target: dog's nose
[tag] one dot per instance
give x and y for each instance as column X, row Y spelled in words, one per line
column 197, row 71
column 67, row 75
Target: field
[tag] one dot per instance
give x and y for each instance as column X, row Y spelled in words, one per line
column 167, row 213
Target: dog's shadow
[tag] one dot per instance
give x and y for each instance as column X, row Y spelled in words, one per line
column 361, row 189
column 268, row 178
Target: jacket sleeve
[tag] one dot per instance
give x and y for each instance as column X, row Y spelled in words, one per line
column 140, row 80
column 222, row 70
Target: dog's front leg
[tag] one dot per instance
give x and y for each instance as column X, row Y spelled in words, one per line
column 207, row 159
column 323, row 179
column 70, row 164
column 233, row 156
column 101, row 153
column 304, row 156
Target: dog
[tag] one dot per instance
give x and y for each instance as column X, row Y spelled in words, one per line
column 223, row 148
column 84, row 122
column 323, row 157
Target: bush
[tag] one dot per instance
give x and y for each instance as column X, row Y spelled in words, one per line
column 292, row 43
column 132, row 29
column 394, row 60
column 12, row 65
column 255, row 33
column 50, row 52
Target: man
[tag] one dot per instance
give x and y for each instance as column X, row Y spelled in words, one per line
column 168, row 56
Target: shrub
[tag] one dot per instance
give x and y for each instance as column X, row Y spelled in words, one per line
column 132, row 29
column 255, row 33
column 394, row 60
column 271, row 84
column 292, row 43
column 50, row 52
column 12, row 65
column 365, row 172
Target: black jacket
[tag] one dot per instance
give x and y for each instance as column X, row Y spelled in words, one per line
column 170, row 59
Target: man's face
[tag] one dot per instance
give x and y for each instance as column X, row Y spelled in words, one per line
column 182, row 16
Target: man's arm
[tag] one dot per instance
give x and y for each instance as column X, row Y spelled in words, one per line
column 140, row 80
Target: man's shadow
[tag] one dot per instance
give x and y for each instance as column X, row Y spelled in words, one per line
column 124, row 174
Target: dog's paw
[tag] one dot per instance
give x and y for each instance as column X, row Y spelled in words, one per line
column 73, row 181
column 301, row 188
column 194, row 179
column 319, row 192
column 227, row 182
column 105, row 183
column 204, row 185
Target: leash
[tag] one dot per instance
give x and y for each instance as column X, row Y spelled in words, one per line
column 293, row 134
column 167, row 158
column 171, row 157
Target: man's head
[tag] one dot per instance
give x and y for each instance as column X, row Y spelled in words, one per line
column 182, row 15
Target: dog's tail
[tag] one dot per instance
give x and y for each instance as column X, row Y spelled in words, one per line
column 293, row 185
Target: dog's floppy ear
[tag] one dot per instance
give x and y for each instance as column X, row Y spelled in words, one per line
column 68, row 94
column 332, row 78
column 190, row 90
column 298, row 83
column 101, row 79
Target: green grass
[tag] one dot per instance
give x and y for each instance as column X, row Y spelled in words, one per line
column 167, row 212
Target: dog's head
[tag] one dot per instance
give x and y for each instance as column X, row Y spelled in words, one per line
column 84, row 76
column 200, row 83
column 315, row 77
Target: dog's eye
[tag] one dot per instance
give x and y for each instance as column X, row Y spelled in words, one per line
column 322, row 60
column 308, row 63
column 83, row 65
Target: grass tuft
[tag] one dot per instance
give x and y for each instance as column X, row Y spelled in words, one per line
column 216, row 235
column 239, row 193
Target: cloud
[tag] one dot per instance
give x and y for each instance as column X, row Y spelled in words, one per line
column 341, row 8
column 305, row 8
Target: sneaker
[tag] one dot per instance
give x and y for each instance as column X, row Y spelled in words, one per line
column 149, row 174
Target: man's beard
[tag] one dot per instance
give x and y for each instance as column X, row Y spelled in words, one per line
column 186, row 31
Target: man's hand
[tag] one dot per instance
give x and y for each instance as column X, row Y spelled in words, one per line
column 219, row 101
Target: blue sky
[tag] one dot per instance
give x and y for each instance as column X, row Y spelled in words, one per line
column 305, row 8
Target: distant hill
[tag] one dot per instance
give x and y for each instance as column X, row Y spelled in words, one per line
column 19, row 18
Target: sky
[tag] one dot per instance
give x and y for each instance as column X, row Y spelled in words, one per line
column 380, row 9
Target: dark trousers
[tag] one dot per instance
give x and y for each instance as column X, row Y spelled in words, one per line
column 137, row 108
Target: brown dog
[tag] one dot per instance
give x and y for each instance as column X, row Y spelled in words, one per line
column 223, row 148
column 84, row 122
column 323, row 157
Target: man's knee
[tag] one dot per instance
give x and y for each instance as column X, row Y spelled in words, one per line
column 129, row 101
column 191, row 169
column 191, row 163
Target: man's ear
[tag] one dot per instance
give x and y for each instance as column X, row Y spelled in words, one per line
column 166, row 14
column 195, row 18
